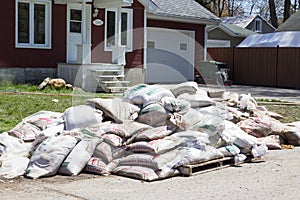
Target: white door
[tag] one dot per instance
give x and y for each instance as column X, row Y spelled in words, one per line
column 75, row 29
column 170, row 55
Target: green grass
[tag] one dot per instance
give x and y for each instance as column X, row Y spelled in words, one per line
column 20, row 101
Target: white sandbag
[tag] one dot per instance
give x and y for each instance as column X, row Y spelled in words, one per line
column 190, row 156
column 107, row 152
column 153, row 115
column 144, row 95
column 174, row 105
column 104, row 151
column 11, row 146
column 47, row 158
column 96, row 166
column 25, row 131
column 272, row 141
column 158, row 146
column 218, row 109
column 113, row 139
column 45, row 119
column 229, row 150
column 127, row 129
column 232, row 134
column 185, row 87
column 13, row 166
column 188, row 120
column 246, row 102
column 81, row 116
column 193, row 137
column 136, row 172
column 80, row 154
column 197, row 100
column 115, row 109
column 152, row 134
column 258, row 126
column 291, row 133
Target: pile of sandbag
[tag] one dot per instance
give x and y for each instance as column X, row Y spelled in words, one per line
column 147, row 134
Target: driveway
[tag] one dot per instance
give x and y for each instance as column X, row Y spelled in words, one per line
column 282, row 94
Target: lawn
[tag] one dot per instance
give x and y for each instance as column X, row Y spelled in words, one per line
column 20, row 101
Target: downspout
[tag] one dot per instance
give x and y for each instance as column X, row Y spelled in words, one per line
column 145, row 40
column 205, row 43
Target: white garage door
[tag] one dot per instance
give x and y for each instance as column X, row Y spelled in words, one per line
column 170, row 56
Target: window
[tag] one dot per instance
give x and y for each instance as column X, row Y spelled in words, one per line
column 75, row 21
column 111, row 28
column 258, row 25
column 33, row 23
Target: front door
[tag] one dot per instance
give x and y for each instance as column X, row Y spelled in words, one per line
column 77, row 29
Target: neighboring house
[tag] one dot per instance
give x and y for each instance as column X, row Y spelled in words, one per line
column 291, row 24
column 254, row 23
column 226, row 35
column 81, row 40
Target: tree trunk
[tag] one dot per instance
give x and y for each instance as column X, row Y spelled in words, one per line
column 287, row 6
column 273, row 15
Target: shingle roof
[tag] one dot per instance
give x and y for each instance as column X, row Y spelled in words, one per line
column 292, row 24
column 238, row 31
column 183, row 9
column 241, row 21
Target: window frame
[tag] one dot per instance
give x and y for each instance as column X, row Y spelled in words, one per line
column 259, row 23
column 48, row 23
column 129, row 12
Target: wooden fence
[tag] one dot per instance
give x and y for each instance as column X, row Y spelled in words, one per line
column 264, row 66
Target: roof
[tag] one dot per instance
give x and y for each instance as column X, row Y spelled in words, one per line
column 291, row 24
column 282, row 39
column 243, row 21
column 233, row 30
column 185, row 10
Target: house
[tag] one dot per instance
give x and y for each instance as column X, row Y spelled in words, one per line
column 110, row 42
column 291, row 24
column 226, row 35
column 254, row 23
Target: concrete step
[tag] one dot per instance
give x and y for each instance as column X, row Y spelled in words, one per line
column 116, row 89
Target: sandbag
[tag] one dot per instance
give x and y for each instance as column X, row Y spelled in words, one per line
column 187, row 120
column 96, row 166
column 246, row 102
column 12, row 146
column 80, row 154
column 24, row 131
column 156, row 146
column 172, row 104
column 48, row 156
column 189, row 87
column 259, row 126
column 190, row 156
column 13, row 166
column 197, row 100
column 81, row 116
column 107, row 152
column 113, row 139
column 232, row 134
column 291, row 133
column 192, row 137
column 144, row 95
column 151, row 134
column 136, row 172
column 218, row 109
column 115, row 109
column 127, row 129
column 229, row 150
column 154, row 115
column 272, row 141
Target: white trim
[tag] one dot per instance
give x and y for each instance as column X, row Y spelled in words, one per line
column 129, row 12
column 145, row 41
column 259, row 30
column 48, row 25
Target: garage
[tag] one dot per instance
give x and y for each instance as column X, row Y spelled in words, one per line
column 170, row 55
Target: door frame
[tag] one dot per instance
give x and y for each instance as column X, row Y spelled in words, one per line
column 86, row 28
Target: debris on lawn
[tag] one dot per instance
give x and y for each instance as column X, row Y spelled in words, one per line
column 151, row 133
column 55, row 83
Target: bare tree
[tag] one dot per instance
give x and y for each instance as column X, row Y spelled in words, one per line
column 273, row 15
